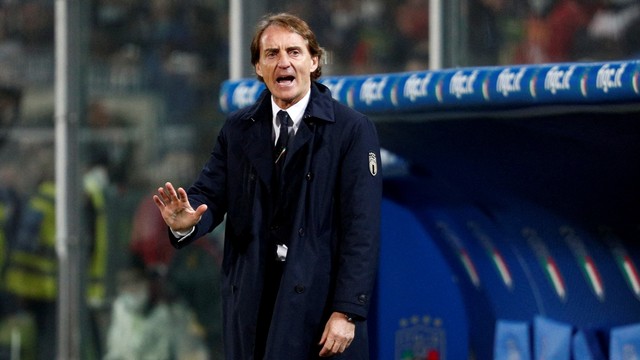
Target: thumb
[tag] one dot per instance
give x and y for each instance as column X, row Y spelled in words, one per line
column 200, row 210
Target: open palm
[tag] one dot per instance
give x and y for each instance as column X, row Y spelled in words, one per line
column 176, row 209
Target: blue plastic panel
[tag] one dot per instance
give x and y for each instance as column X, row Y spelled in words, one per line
column 551, row 339
column 625, row 342
column 512, row 340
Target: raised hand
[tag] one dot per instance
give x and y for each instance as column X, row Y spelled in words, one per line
column 176, row 209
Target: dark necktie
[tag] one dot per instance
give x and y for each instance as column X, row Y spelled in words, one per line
column 280, row 150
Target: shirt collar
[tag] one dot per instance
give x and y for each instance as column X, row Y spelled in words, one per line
column 296, row 111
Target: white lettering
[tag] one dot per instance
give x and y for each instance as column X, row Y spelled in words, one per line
column 245, row 95
column 462, row 84
column 557, row 79
column 335, row 88
column 372, row 90
column 509, row 82
column 416, row 86
column 609, row 78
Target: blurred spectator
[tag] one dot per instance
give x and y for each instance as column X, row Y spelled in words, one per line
column 147, row 323
column 96, row 186
column 551, row 30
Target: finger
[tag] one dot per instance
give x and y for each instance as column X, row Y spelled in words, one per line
column 323, row 339
column 182, row 194
column 163, row 195
column 334, row 347
column 337, row 347
column 324, row 352
column 327, row 349
column 158, row 201
column 172, row 191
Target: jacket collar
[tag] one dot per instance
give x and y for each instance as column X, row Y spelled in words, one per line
column 320, row 105
column 258, row 143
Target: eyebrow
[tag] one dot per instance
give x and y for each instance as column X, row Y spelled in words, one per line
column 289, row 48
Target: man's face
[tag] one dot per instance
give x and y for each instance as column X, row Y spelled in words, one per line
column 285, row 64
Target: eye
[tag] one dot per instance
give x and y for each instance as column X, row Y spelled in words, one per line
column 270, row 54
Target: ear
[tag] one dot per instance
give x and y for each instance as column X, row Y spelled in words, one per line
column 258, row 69
column 314, row 63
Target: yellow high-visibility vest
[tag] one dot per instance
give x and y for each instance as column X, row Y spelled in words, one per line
column 32, row 273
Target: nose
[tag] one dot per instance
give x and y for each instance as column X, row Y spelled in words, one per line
column 283, row 61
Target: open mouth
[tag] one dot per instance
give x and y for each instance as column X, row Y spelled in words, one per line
column 285, row 80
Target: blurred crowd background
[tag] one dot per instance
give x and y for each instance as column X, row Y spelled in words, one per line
column 152, row 71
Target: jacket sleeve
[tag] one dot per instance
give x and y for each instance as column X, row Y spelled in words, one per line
column 210, row 189
column 359, row 201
